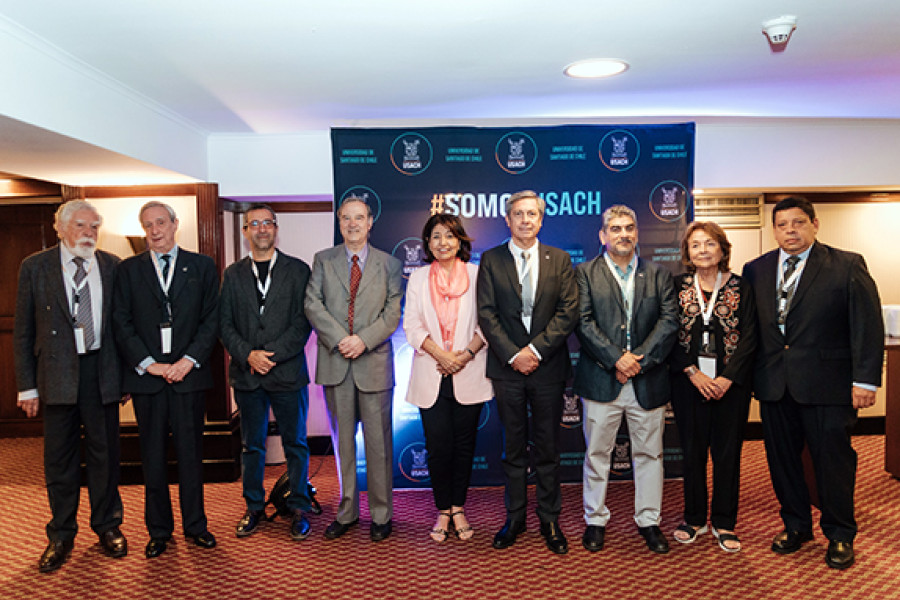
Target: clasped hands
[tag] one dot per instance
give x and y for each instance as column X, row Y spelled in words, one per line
column 711, row 389
column 174, row 372
column 628, row 366
column 260, row 362
column 351, row 347
column 450, row 362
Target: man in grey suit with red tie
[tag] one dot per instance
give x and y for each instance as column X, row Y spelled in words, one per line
column 527, row 307
column 165, row 319
column 819, row 360
column 66, row 360
column 353, row 302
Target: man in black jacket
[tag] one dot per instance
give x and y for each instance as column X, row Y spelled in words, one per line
column 264, row 328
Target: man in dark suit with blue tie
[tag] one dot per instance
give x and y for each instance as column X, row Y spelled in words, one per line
column 264, row 328
column 819, row 360
column 165, row 320
column 527, row 307
column 66, row 359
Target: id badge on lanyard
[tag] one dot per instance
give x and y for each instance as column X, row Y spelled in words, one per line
column 165, row 328
column 706, row 359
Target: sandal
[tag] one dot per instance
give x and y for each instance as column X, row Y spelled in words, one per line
column 465, row 532
column 692, row 533
column 440, row 534
column 723, row 537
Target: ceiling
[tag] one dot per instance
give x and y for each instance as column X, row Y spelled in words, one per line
column 286, row 66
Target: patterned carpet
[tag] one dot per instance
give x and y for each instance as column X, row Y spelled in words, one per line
column 410, row 565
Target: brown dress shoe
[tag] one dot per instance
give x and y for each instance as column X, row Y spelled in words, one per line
column 55, row 555
column 114, row 543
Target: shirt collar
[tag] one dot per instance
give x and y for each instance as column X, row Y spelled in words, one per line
column 362, row 254
column 632, row 265
column 783, row 256
column 173, row 253
column 66, row 256
column 517, row 252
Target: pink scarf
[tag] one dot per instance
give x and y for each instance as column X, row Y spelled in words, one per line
column 445, row 294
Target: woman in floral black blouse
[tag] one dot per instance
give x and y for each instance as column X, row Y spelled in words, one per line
column 710, row 366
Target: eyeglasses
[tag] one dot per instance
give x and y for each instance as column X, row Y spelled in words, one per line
column 255, row 224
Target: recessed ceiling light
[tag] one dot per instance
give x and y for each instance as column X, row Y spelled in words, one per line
column 596, row 68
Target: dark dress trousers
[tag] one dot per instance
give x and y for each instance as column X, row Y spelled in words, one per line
column 833, row 337
column 713, row 428
column 283, row 329
column 554, row 316
column 139, row 307
column 74, row 390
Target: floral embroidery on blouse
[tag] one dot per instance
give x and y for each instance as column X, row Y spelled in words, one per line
column 725, row 310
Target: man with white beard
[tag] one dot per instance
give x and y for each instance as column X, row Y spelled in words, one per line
column 66, row 361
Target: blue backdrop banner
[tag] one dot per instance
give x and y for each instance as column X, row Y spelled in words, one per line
column 406, row 175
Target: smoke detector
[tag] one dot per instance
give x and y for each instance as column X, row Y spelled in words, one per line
column 779, row 30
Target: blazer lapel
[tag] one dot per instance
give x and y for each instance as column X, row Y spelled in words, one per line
column 612, row 281
column 149, row 273
column 55, row 280
column 810, row 271
column 543, row 272
column 107, row 279
column 183, row 270
column 338, row 263
column 373, row 266
column 508, row 266
column 640, row 285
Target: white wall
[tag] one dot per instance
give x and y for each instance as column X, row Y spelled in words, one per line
column 730, row 153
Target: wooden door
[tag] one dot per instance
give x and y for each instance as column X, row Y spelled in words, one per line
column 24, row 229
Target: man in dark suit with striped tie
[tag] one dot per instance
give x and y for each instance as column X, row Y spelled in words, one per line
column 819, row 360
column 63, row 343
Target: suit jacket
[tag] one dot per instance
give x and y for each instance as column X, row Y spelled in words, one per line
column 282, row 328
column 420, row 321
column 833, row 334
column 44, row 336
column 139, row 308
column 376, row 316
column 554, row 314
column 602, row 331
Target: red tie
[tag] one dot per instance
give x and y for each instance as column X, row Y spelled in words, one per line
column 355, row 276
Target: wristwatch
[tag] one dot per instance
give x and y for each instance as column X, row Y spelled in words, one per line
column 691, row 371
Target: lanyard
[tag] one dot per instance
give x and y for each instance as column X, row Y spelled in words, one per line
column 263, row 288
column 167, row 283
column 626, row 285
column 707, row 310
column 785, row 287
column 76, row 289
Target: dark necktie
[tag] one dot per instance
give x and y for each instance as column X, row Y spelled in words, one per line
column 355, row 276
column 84, row 316
column 786, row 294
column 165, row 269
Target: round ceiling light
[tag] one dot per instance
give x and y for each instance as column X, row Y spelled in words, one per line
column 596, row 68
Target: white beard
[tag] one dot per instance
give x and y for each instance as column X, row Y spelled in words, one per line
column 84, row 248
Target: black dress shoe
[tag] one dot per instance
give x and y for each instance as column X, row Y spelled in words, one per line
column 55, row 555
column 299, row 526
column 114, row 543
column 378, row 532
column 787, row 542
column 554, row 538
column 840, row 554
column 337, row 529
column 506, row 537
column 655, row 539
column 204, row 540
column 593, row 538
column 155, row 547
column 248, row 523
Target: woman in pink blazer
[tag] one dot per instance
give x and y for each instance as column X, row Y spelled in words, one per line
column 448, row 381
